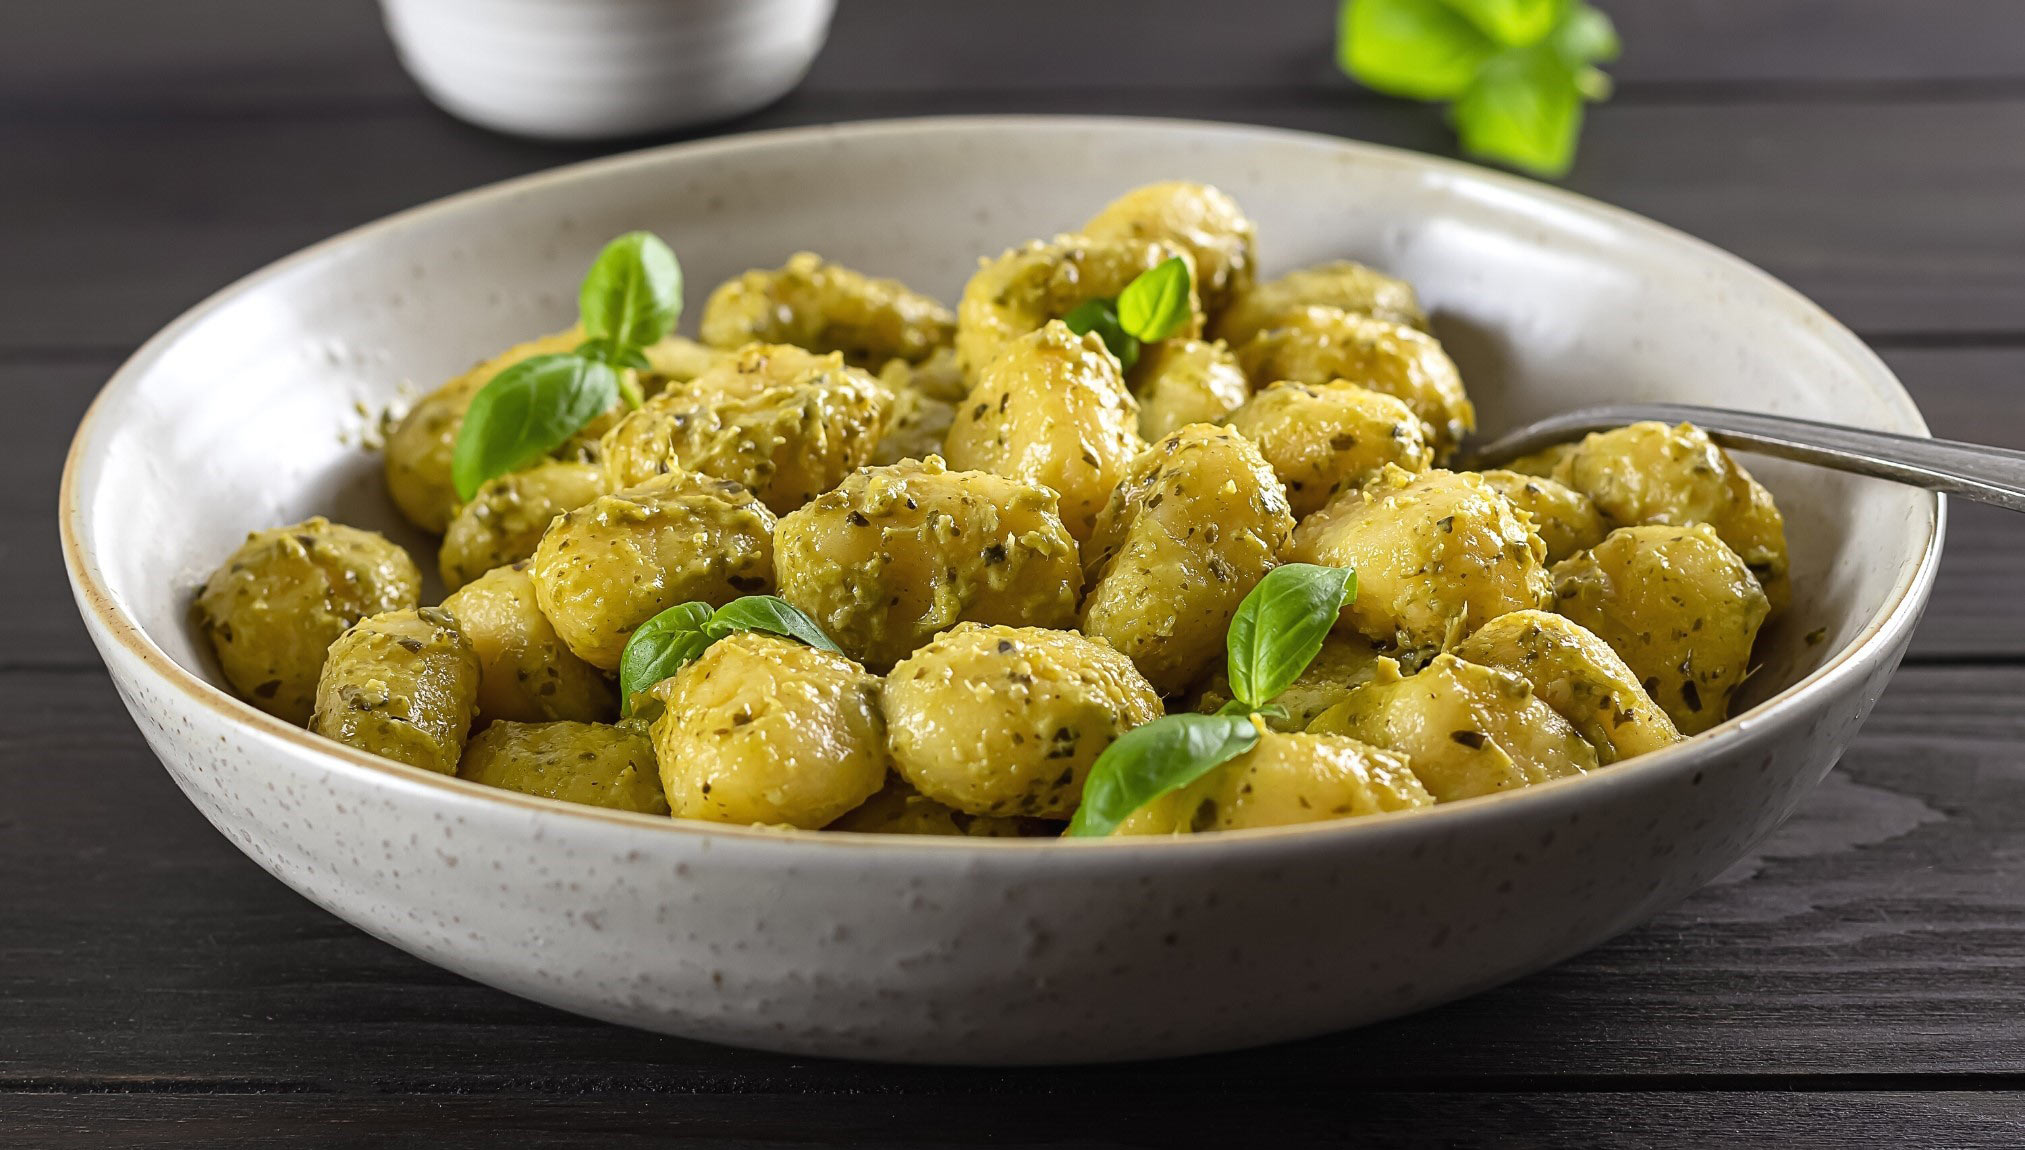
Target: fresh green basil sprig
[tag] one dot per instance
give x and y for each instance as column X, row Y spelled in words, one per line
column 1276, row 633
column 630, row 299
column 1151, row 308
column 661, row 645
column 1517, row 72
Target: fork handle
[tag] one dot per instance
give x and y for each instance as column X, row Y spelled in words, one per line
column 1994, row 475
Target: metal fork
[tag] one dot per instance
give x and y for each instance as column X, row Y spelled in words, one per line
column 1993, row 475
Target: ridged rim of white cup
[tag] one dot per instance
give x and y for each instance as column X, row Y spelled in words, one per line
column 1877, row 637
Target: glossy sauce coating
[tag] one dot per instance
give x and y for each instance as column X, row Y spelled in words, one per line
column 1678, row 605
column 813, row 303
column 1182, row 381
column 777, row 420
column 895, row 554
column 1219, row 238
column 1322, row 344
column 1566, row 519
column 1650, row 473
column 1051, row 409
column 402, row 685
column 508, row 514
column 1027, row 286
column 590, row 763
column 1348, row 286
column 1324, row 439
column 1436, row 555
column 616, row 562
column 1578, row 675
column 1466, row 730
column 526, row 673
column 1344, row 663
column 1195, row 522
column 761, row 729
column 274, row 607
column 1007, row 720
column 1287, row 779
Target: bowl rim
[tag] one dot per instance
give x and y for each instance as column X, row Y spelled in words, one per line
column 1880, row 635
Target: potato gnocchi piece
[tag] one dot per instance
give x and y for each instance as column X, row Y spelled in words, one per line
column 276, row 604
column 1344, row 663
column 813, row 303
column 1680, row 607
column 1466, row 730
column 1051, row 409
column 896, row 554
column 1579, row 676
column 1566, row 519
column 1436, row 555
column 1182, row 381
column 419, row 450
column 589, row 763
column 1209, row 225
column 1324, row 439
column 1649, row 473
column 616, row 562
column 1026, row 286
column 417, row 455
column 525, row 672
column 506, row 517
column 1197, row 520
column 1286, row 780
column 781, row 422
column 762, row 729
column 402, row 685
column 899, row 809
column 1349, row 286
column 1007, row 720
column 1320, row 345
column 920, row 421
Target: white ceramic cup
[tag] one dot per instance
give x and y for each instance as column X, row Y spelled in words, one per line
column 593, row 69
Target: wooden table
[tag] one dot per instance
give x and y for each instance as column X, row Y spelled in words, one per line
column 1857, row 981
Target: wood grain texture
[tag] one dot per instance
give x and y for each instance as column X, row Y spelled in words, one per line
column 1854, row 982
column 212, row 55
column 1243, row 1114
column 1878, row 934
column 1932, row 244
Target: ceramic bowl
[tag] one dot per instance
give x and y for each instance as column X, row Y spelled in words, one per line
column 241, row 415
column 594, row 69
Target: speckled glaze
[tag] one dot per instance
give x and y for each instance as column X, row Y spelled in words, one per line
column 977, row 951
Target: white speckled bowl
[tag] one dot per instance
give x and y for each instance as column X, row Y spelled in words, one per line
column 956, row 950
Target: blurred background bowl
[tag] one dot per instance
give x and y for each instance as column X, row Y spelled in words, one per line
column 597, row 69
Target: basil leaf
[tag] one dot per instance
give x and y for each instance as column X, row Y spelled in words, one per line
column 1586, row 37
column 525, row 412
column 659, row 647
column 1513, row 23
column 1421, row 49
column 1280, row 626
column 631, row 297
column 1155, row 304
column 1147, row 762
column 1524, row 109
column 769, row 613
column 1101, row 316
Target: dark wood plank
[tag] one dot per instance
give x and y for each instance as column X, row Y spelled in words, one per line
column 1879, row 933
column 1931, row 244
column 1246, row 1114
column 212, row 55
